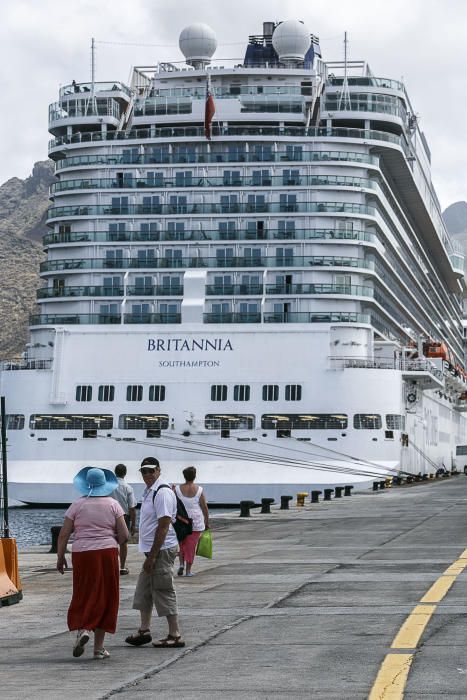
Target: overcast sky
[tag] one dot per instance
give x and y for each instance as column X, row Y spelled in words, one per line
column 46, row 43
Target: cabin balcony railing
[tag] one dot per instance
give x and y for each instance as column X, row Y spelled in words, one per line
column 77, row 264
column 102, row 318
column 187, row 208
column 234, row 289
column 57, row 238
column 109, row 291
column 351, row 290
column 184, row 132
column 316, row 317
column 214, row 181
column 158, row 156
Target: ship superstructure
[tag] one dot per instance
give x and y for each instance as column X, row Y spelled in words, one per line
column 272, row 296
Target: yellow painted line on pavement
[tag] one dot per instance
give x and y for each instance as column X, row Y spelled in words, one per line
column 393, row 673
column 436, row 593
column 412, row 629
column 392, row 677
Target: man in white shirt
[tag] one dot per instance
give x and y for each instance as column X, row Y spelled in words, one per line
column 125, row 495
column 158, row 542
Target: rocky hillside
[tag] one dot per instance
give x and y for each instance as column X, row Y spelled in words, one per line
column 23, row 204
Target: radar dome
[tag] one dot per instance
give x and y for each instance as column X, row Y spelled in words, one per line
column 291, row 40
column 197, row 43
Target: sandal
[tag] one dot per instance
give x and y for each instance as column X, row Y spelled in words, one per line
column 180, row 571
column 101, row 654
column 124, row 572
column 139, row 638
column 169, row 641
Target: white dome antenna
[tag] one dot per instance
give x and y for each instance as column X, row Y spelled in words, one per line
column 198, row 43
column 291, row 40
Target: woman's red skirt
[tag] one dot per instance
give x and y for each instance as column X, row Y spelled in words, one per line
column 95, row 599
column 188, row 546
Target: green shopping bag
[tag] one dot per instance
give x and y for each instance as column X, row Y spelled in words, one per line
column 204, row 548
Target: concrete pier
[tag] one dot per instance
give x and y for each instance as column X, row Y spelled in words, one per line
column 348, row 599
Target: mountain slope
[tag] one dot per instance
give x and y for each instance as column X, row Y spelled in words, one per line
column 23, row 205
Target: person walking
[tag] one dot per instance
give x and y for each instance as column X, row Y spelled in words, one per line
column 125, row 495
column 158, row 542
column 98, row 525
column 193, row 499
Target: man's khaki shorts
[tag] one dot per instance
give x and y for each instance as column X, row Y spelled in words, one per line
column 157, row 588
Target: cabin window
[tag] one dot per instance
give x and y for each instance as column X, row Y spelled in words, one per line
column 56, row 421
column 143, row 422
column 241, row 392
column 134, row 392
column 14, row 421
column 219, row 392
column 84, row 392
column 293, row 392
column 395, row 422
column 270, row 392
column 106, row 392
column 232, row 421
column 157, row 392
column 367, row 421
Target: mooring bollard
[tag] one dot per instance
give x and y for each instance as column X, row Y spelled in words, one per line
column 375, row 485
column 348, row 490
column 301, row 498
column 285, row 502
column 54, row 531
column 338, row 491
column 315, row 496
column 409, row 479
column 266, row 505
column 245, row 508
column 396, row 481
column 382, row 485
column 425, row 477
column 327, row 494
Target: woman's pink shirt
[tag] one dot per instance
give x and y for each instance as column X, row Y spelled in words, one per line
column 94, row 522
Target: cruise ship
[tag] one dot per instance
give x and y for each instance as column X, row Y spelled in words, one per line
column 246, row 270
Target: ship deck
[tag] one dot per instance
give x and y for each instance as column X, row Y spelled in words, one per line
column 331, row 600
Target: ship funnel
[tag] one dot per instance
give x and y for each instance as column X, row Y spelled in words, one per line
column 197, row 43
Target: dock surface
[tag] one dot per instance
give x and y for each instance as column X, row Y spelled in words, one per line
column 358, row 597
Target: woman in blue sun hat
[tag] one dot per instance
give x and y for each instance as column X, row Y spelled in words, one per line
column 98, row 524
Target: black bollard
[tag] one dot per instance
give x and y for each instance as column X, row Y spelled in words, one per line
column 338, row 491
column 348, row 490
column 266, row 505
column 315, row 496
column 395, row 481
column 327, row 494
column 245, row 508
column 382, row 485
column 54, row 532
column 425, row 477
column 375, row 485
column 285, row 502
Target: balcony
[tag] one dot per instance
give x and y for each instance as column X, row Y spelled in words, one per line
column 187, row 208
column 78, row 264
column 351, row 290
column 108, row 291
column 234, row 289
column 207, row 235
column 102, row 318
column 422, row 371
column 14, row 365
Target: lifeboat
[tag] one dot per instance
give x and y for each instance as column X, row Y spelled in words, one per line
column 436, row 350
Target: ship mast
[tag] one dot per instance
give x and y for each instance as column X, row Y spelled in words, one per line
column 344, row 95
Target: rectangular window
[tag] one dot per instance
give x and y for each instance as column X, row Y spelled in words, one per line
column 106, row 392
column 70, row 422
column 395, row 422
column 143, row 422
column 293, row 392
column 157, row 392
column 84, row 392
column 300, row 421
column 233, row 421
column 219, row 392
column 232, row 177
column 241, row 392
column 183, row 178
column 14, row 421
column 367, row 421
column 134, row 392
column 270, row 392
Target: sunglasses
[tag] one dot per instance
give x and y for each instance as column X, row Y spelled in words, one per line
column 147, row 470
